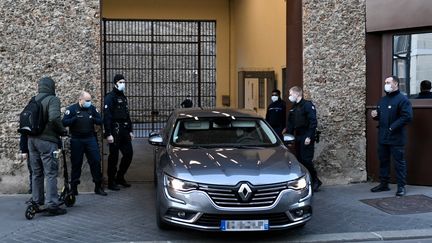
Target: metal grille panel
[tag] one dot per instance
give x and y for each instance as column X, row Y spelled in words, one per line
column 163, row 62
column 227, row 196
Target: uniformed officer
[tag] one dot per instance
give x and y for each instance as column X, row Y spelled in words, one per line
column 118, row 132
column 276, row 113
column 81, row 118
column 302, row 123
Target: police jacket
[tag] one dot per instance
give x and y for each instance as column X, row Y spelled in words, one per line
column 302, row 121
column 116, row 110
column 81, row 120
column 276, row 114
column 51, row 109
column 394, row 112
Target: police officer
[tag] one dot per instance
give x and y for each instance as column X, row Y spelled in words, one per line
column 276, row 113
column 81, row 118
column 302, row 123
column 118, row 132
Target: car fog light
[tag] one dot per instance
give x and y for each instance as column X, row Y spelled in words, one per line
column 181, row 214
column 299, row 212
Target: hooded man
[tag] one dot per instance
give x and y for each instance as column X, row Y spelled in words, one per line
column 41, row 149
column 118, row 132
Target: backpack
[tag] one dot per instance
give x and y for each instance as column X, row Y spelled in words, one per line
column 32, row 119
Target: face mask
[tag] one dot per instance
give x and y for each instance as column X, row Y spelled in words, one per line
column 274, row 98
column 87, row 104
column 121, row 86
column 388, row 88
column 292, row 99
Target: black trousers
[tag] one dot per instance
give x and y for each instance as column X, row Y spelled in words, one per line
column 305, row 154
column 398, row 154
column 122, row 143
column 89, row 147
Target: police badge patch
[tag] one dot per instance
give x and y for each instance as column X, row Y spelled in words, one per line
column 67, row 112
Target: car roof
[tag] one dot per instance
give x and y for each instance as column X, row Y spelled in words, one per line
column 215, row 112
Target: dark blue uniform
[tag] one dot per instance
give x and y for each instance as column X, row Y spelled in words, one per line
column 81, row 123
column 394, row 113
column 302, row 123
column 117, row 123
column 276, row 116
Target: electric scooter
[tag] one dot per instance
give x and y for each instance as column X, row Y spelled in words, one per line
column 66, row 196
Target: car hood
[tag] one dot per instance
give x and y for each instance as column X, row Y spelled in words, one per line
column 228, row 166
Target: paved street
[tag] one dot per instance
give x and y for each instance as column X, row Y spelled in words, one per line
column 128, row 215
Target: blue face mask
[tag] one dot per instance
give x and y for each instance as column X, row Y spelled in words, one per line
column 87, row 104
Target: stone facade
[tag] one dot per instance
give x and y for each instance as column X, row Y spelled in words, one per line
column 335, row 79
column 56, row 38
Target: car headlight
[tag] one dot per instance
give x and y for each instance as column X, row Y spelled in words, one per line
column 179, row 185
column 298, row 184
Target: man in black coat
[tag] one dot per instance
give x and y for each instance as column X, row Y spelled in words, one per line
column 276, row 113
column 393, row 113
column 118, row 132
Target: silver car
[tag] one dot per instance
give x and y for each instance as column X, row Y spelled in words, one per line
column 226, row 170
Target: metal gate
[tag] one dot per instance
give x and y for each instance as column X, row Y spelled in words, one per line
column 163, row 63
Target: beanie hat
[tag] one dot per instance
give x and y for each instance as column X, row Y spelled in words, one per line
column 118, row 77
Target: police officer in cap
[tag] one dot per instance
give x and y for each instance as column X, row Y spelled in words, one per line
column 302, row 123
column 118, row 132
column 81, row 118
column 276, row 113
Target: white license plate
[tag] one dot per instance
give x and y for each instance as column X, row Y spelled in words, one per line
column 244, row 225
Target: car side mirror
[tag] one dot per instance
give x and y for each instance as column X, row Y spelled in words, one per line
column 155, row 139
column 288, row 138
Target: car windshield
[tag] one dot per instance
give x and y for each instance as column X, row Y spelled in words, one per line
column 223, row 132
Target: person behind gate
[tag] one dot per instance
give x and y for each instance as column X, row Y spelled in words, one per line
column 118, row 132
column 81, row 118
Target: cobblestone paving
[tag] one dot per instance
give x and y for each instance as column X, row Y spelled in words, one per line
column 128, row 215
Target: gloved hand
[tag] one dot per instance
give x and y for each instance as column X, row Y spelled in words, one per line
column 110, row 139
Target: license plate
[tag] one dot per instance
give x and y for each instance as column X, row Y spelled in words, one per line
column 244, row 225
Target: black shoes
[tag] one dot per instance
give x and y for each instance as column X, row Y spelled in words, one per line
column 113, row 187
column 74, row 190
column 56, row 211
column 381, row 188
column 99, row 190
column 123, row 182
column 401, row 191
column 316, row 185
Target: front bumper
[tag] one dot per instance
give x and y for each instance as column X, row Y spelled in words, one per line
column 196, row 209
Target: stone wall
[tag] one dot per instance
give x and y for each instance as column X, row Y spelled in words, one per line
column 56, row 38
column 335, row 79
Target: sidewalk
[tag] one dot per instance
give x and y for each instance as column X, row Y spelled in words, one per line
column 128, row 215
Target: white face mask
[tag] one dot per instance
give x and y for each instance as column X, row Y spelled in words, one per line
column 292, row 98
column 388, row 88
column 274, row 98
column 121, row 86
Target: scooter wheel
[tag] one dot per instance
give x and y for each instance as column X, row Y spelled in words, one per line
column 30, row 212
column 69, row 200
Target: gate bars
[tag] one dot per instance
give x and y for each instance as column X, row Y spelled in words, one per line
column 163, row 61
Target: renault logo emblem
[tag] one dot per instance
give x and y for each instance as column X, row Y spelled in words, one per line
column 244, row 192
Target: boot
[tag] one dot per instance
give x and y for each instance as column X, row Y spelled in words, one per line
column 383, row 186
column 56, row 211
column 122, row 181
column 316, row 185
column 99, row 190
column 401, row 191
column 74, row 189
column 113, row 186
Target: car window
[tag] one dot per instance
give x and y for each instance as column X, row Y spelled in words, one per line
column 223, row 132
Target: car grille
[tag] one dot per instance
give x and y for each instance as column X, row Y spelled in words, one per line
column 214, row 220
column 228, row 196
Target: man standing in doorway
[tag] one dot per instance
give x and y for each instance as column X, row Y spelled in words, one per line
column 276, row 113
column 393, row 113
column 118, row 132
column 302, row 123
